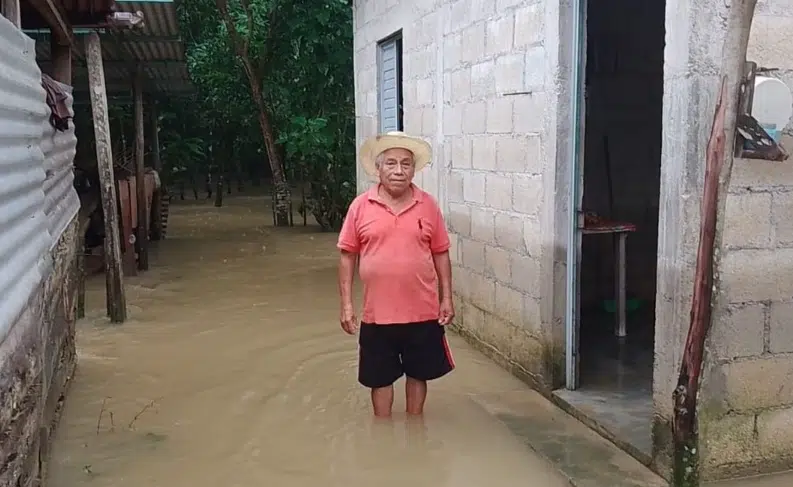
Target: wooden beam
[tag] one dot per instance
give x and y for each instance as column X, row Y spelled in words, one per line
column 56, row 17
column 12, row 12
column 156, row 162
column 114, row 275
column 142, row 237
column 61, row 61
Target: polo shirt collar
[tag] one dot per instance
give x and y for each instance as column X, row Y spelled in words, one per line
column 373, row 193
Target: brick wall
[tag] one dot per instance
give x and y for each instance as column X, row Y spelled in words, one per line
column 37, row 360
column 475, row 86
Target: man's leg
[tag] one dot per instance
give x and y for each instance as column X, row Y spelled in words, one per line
column 383, row 401
column 379, row 365
column 425, row 357
column 415, row 395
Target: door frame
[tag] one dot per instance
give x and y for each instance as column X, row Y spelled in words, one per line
column 575, row 215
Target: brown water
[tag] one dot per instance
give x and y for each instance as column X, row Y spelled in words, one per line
column 233, row 371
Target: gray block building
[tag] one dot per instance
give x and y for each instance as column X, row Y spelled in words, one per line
column 534, row 107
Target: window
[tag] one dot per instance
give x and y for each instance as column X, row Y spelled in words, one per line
column 389, row 73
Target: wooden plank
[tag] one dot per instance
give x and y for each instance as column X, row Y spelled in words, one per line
column 114, row 275
column 140, row 174
column 57, row 19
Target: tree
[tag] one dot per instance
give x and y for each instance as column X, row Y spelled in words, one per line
column 262, row 14
column 718, row 169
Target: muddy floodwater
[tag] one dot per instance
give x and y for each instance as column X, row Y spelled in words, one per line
column 232, row 371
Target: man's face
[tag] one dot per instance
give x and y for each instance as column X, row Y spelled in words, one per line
column 396, row 170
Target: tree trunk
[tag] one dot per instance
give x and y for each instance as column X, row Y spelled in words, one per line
column 718, row 169
column 219, row 192
column 281, row 188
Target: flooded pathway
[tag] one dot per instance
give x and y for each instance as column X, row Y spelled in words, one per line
column 233, row 371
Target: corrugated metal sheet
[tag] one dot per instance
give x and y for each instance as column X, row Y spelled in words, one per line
column 160, row 18
column 24, row 238
column 61, row 200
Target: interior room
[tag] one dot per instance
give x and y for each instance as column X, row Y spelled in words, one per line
column 622, row 162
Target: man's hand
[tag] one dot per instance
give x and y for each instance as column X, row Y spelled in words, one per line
column 348, row 320
column 447, row 311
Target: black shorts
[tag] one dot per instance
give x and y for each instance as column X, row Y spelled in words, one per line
column 417, row 350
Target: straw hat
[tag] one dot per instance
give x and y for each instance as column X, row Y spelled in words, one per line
column 374, row 146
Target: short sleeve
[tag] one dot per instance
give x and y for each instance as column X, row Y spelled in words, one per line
column 439, row 242
column 348, row 236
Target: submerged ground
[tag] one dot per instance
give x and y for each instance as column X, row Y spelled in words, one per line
column 233, row 371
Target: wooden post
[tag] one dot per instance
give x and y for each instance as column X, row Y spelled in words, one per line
column 12, row 12
column 156, row 212
column 142, row 237
column 718, row 168
column 116, row 299
column 61, row 60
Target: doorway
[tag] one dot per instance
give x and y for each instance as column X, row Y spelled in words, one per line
column 615, row 282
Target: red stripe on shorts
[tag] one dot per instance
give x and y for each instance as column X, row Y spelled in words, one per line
column 448, row 351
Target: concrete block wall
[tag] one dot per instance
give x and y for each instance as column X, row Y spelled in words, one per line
column 476, row 86
column 748, row 413
column 748, row 422
column 746, row 418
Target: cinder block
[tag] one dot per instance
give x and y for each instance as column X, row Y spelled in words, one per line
column 474, row 188
column 782, row 218
column 460, row 152
column 497, row 264
column 534, row 65
column 455, row 188
column 509, row 73
column 482, row 79
column 773, row 433
column 532, row 319
column 454, row 248
column 526, row 274
column 781, row 327
column 509, row 231
column 473, row 255
column 500, row 34
column 429, row 124
column 483, row 224
column 758, row 275
column 412, row 120
column 452, row 51
column 532, row 237
column 529, row 25
column 499, row 115
column 498, row 191
column 748, row 220
column 759, row 383
column 474, row 43
column 527, row 194
column 519, row 154
column 728, row 440
column 459, row 219
column 529, row 112
column 483, row 153
column 502, row 5
column 739, row 332
column 425, row 91
column 453, row 120
column 473, row 319
column 483, row 292
column 509, row 304
column 474, row 117
column 460, row 85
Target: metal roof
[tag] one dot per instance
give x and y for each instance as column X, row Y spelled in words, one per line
column 156, row 47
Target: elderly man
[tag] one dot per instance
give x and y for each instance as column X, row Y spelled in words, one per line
column 397, row 234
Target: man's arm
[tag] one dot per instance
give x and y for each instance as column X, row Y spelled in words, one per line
column 443, row 266
column 347, row 263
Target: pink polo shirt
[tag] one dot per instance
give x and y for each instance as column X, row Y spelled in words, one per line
column 396, row 266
